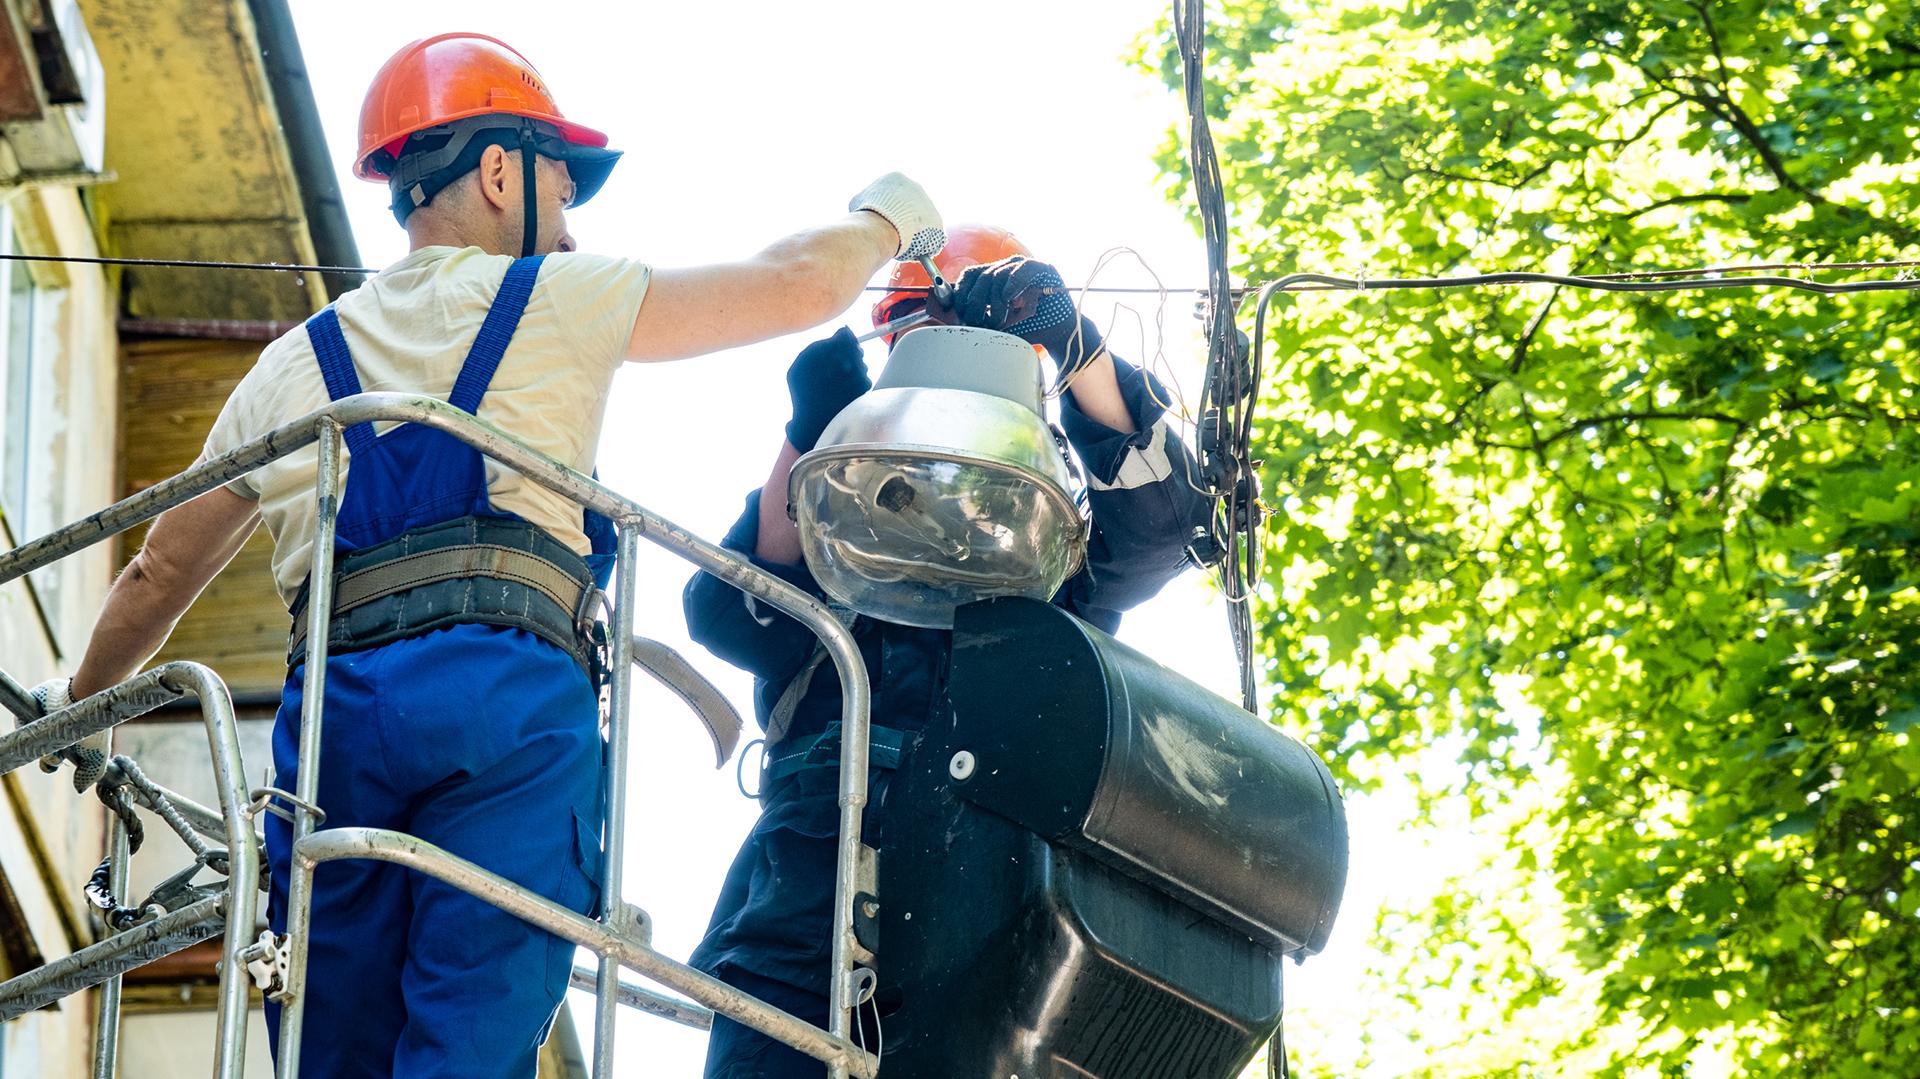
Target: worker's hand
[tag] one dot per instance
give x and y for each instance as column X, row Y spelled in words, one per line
column 1028, row 300
column 826, row 377
column 53, row 694
column 89, row 757
column 905, row 206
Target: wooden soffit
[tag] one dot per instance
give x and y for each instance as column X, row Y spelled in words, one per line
column 205, row 173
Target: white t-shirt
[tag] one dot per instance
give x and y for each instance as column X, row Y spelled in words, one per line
column 409, row 329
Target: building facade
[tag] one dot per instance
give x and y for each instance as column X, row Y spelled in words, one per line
column 148, row 129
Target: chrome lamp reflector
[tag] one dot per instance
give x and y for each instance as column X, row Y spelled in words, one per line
column 941, row 486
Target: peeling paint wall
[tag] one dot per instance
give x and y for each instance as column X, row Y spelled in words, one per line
column 50, row 839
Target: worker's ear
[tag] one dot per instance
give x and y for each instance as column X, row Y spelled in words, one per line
column 499, row 178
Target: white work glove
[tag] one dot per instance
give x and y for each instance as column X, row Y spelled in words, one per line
column 90, row 755
column 907, row 208
column 54, row 694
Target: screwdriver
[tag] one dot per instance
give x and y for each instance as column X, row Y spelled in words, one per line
column 904, row 322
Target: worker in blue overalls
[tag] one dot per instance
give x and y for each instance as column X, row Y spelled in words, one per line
column 461, row 690
column 771, row 929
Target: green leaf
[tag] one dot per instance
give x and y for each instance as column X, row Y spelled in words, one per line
column 1799, row 822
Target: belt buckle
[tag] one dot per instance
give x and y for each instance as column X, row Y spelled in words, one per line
column 592, row 633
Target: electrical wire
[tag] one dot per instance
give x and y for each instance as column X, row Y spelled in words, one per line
column 1618, row 281
column 1225, row 418
column 1154, row 360
column 195, row 264
column 1650, row 281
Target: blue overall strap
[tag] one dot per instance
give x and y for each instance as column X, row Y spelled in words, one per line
column 336, row 366
column 490, row 344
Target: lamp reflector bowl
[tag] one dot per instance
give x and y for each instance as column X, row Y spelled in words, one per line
column 942, row 486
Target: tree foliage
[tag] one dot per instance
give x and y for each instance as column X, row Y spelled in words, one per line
column 1646, row 562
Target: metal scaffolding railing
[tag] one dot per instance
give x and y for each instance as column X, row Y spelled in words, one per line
column 231, row 913
column 619, row 938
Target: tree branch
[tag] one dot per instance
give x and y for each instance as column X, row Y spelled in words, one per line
column 1578, row 426
column 1723, row 108
column 1533, row 327
column 1713, row 40
column 1734, row 197
column 1647, row 127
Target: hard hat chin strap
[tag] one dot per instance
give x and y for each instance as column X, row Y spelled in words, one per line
column 438, row 156
column 530, row 222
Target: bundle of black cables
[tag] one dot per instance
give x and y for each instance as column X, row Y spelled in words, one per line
column 1228, row 396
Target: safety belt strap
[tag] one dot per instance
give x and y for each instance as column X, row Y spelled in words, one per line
column 450, row 563
column 781, row 717
column 489, row 570
column 885, row 746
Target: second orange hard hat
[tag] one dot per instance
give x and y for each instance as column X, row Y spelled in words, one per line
column 967, row 245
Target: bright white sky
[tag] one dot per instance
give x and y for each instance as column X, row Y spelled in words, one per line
column 743, row 122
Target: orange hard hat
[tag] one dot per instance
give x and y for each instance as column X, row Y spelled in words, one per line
column 452, row 77
column 967, row 245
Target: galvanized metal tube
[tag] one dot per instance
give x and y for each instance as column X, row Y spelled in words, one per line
column 413, row 408
column 557, row 477
column 686, row 1013
column 853, row 801
column 106, row 1021
column 90, row 715
column 117, row 954
column 612, row 904
column 110, row 958
column 157, row 499
column 417, row 854
column 312, row 702
column 856, row 713
column 17, row 699
column 243, row 859
column 201, row 819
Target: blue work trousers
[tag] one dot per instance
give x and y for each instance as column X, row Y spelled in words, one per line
column 483, row 741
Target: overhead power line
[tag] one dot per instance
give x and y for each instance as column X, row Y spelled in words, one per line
column 1655, row 281
column 1764, row 275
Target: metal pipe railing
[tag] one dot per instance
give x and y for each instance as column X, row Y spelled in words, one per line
column 324, row 426
column 234, row 910
column 86, row 717
column 106, row 1017
column 243, row 861
column 16, row 698
column 417, row 854
column 684, row 1012
column 112, row 957
column 326, row 492
column 620, row 700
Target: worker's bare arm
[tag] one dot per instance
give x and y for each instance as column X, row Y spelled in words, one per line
column 1096, row 389
column 779, row 540
column 184, row 549
column 795, row 284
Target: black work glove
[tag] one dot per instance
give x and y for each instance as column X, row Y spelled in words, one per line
column 1028, row 300
column 826, row 377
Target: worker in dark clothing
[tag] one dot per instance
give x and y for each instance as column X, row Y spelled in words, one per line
column 771, row 928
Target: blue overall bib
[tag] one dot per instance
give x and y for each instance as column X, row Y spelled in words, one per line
column 480, row 739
